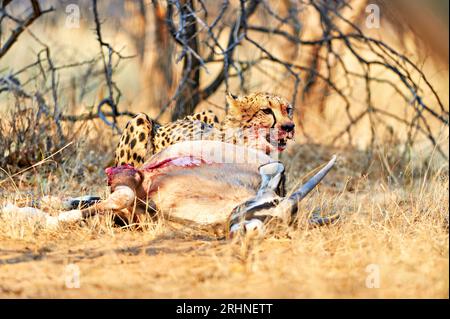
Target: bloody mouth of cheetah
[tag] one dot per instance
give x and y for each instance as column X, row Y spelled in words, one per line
column 273, row 139
column 278, row 138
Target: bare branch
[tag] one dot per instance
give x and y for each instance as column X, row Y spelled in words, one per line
column 23, row 25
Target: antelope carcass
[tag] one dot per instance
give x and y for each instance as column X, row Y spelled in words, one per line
column 209, row 184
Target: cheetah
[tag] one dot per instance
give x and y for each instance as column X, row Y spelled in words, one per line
column 259, row 120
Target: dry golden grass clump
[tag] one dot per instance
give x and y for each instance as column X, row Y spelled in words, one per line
column 27, row 136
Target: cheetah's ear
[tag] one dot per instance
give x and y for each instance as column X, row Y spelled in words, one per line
column 233, row 103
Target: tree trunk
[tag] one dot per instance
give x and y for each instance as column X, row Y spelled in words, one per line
column 189, row 96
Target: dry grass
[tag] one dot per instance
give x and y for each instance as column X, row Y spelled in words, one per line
column 402, row 228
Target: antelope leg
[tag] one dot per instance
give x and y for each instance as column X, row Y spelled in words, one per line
column 122, row 197
column 271, row 176
column 81, row 202
column 58, row 203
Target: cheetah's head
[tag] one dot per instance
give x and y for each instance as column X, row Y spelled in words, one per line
column 269, row 115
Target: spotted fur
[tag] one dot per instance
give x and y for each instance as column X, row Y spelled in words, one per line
column 143, row 137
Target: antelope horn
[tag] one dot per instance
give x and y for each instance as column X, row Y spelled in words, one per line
column 313, row 182
column 289, row 206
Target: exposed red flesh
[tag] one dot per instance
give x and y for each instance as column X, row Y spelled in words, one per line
column 182, row 161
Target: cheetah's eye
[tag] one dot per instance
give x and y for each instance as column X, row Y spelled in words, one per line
column 290, row 111
column 267, row 111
